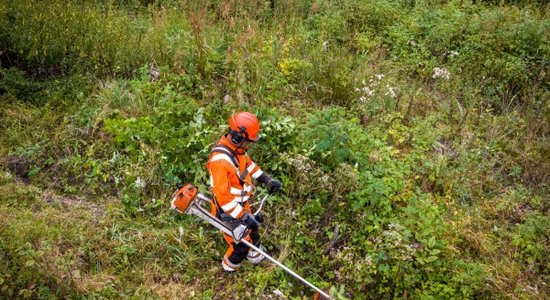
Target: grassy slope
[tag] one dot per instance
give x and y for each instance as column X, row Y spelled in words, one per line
column 440, row 190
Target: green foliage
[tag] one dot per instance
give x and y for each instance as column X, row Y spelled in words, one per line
column 278, row 141
column 15, row 85
column 512, row 50
column 532, row 239
column 331, row 140
column 186, row 139
column 44, row 34
column 410, row 137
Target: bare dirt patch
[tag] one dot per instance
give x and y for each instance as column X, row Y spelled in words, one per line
column 19, row 166
column 69, row 202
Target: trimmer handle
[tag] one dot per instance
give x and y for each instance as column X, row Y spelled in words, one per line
column 261, row 205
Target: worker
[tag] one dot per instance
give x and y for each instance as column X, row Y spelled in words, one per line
column 231, row 172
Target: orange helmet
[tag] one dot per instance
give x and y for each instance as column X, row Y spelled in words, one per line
column 244, row 126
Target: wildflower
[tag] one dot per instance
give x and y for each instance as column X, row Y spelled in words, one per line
column 139, row 183
column 367, row 260
column 115, row 157
column 451, row 53
column 390, row 92
column 368, row 91
column 441, row 73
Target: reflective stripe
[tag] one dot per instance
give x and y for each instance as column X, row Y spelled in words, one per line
column 229, row 206
column 257, row 174
column 242, row 199
column 251, row 167
column 227, row 268
column 253, row 254
column 228, row 265
column 255, row 257
column 221, row 156
column 225, row 150
column 211, row 180
column 236, row 212
column 241, row 193
column 236, row 191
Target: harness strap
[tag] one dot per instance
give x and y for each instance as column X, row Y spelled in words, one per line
column 223, row 216
column 224, row 150
column 219, row 148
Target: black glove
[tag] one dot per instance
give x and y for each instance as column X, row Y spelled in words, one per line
column 273, row 186
column 259, row 218
column 251, row 221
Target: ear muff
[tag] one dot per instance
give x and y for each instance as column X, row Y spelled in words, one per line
column 237, row 137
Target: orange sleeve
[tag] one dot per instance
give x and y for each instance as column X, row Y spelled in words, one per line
column 253, row 169
column 220, row 173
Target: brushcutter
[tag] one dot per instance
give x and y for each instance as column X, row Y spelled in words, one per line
column 188, row 200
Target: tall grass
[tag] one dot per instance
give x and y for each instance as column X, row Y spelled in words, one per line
column 411, row 138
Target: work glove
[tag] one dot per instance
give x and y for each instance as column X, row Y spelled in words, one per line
column 251, row 221
column 259, row 218
column 273, row 186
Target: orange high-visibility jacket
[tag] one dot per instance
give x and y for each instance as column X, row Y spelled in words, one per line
column 231, row 184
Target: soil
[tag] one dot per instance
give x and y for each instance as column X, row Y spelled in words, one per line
column 19, row 166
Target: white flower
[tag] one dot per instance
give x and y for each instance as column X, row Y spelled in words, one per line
column 441, row 73
column 452, row 53
column 115, row 157
column 139, row 183
column 368, row 91
column 379, row 76
column 390, row 92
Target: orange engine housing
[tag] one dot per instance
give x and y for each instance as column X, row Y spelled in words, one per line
column 182, row 198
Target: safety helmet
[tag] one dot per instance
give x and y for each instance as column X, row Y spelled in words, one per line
column 244, row 126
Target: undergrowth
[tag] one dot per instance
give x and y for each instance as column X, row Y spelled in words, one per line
column 411, row 137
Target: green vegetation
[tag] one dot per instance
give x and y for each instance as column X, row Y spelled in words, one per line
column 412, row 139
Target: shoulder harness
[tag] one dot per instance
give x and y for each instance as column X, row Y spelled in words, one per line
column 222, row 149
